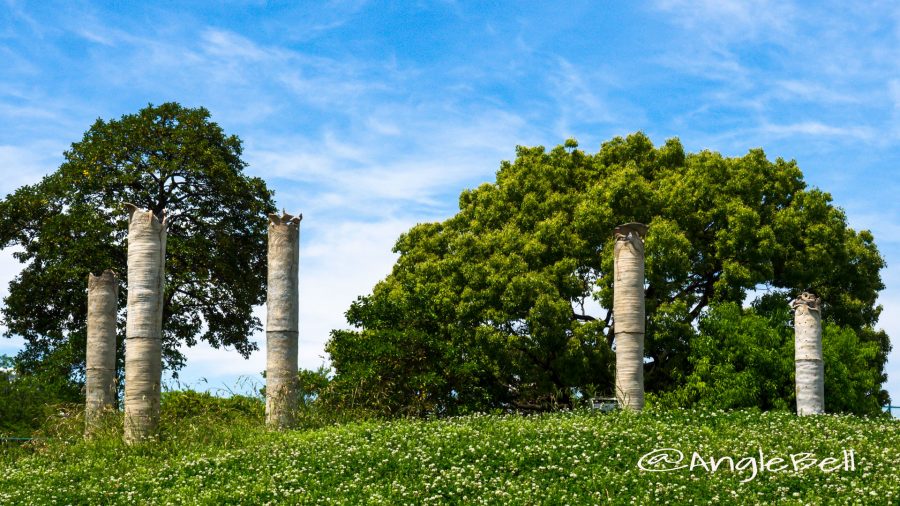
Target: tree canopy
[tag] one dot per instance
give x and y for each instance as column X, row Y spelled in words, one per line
column 169, row 159
column 507, row 303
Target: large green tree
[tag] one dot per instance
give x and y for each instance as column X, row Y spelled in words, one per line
column 506, row 304
column 169, row 159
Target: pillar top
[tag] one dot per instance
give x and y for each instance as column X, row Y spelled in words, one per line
column 107, row 276
column 809, row 300
column 627, row 229
column 152, row 217
column 284, row 218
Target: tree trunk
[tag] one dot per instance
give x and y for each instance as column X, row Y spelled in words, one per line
column 282, row 320
column 810, row 368
column 628, row 311
column 100, row 359
column 143, row 335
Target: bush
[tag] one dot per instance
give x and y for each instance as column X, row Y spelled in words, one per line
column 189, row 404
column 26, row 399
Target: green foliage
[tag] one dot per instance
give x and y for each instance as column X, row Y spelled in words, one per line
column 559, row 458
column 851, row 384
column 745, row 358
column 27, row 399
column 168, row 159
column 320, row 404
column 179, row 405
column 311, row 384
column 492, row 307
column 738, row 359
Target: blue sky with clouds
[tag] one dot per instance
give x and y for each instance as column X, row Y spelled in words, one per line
column 372, row 116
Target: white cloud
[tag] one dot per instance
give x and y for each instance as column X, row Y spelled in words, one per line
column 571, row 84
column 812, row 72
column 345, row 261
column 732, row 19
column 16, row 11
column 815, row 128
column 377, row 174
column 224, row 44
column 22, row 165
column 812, row 91
column 95, row 37
column 885, row 229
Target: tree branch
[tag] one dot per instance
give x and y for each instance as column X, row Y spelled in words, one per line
column 583, row 317
column 610, row 332
column 708, row 286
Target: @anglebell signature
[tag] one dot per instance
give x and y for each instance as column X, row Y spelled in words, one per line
column 670, row 459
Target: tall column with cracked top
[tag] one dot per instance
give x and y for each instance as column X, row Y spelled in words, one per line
column 100, row 356
column 143, row 333
column 629, row 314
column 808, row 358
column 282, row 320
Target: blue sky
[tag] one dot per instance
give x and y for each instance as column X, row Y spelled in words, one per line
column 369, row 117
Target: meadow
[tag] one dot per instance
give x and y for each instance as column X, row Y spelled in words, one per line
column 225, row 456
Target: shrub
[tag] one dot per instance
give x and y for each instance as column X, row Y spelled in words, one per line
column 188, row 404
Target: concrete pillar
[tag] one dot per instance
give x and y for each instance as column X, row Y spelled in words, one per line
column 629, row 314
column 808, row 359
column 282, row 320
column 143, row 334
column 100, row 357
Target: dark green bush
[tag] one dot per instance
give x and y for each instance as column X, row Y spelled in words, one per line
column 185, row 404
column 27, row 399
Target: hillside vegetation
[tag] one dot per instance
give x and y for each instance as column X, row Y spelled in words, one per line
column 223, row 455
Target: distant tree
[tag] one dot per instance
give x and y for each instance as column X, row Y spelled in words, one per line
column 163, row 158
column 492, row 307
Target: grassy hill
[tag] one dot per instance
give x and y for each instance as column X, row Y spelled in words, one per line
column 577, row 457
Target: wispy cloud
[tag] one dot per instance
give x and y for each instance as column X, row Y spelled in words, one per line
column 95, row 37
column 815, row 128
column 886, row 230
column 17, row 13
column 732, row 20
column 812, row 91
column 579, row 98
column 21, row 165
column 377, row 173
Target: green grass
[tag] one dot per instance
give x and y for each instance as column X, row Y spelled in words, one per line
column 562, row 458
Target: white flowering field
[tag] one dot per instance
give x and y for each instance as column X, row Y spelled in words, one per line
column 577, row 457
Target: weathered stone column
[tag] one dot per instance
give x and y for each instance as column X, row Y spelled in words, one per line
column 810, row 368
column 282, row 320
column 100, row 358
column 628, row 314
column 143, row 333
